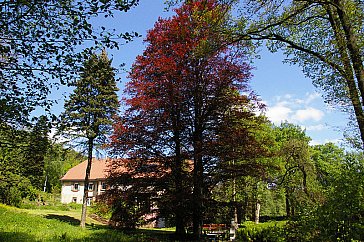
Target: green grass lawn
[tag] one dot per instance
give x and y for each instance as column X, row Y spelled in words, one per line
column 47, row 224
column 53, row 225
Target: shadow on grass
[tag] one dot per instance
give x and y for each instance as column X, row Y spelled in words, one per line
column 64, row 218
column 16, row 236
column 107, row 234
column 151, row 234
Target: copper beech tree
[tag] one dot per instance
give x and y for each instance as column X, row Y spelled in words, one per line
column 181, row 88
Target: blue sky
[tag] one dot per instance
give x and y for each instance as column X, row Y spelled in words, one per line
column 290, row 96
column 282, row 87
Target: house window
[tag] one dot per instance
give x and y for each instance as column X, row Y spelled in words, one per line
column 103, row 186
column 74, row 199
column 90, row 187
column 75, row 187
column 89, row 201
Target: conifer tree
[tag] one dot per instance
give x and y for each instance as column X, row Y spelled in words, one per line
column 89, row 110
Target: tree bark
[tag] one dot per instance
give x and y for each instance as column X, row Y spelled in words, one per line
column 197, row 191
column 179, row 212
column 257, row 212
column 87, row 176
column 347, row 46
column 198, row 181
column 351, row 68
column 288, row 204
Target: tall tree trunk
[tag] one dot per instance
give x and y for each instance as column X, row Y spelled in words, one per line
column 288, row 204
column 179, row 206
column 256, row 207
column 351, row 44
column 304, row 180
column 347, row 46
column 257, row 212
column 179, row 212
column 198, row 181
column 197, row 175
column 356, row 59
column 197, row 190
column 87, row 176
column 234, row 199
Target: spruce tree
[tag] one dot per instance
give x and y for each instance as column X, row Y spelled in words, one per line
column 89, row 110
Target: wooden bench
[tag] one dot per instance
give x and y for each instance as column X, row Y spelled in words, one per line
column 215, row 232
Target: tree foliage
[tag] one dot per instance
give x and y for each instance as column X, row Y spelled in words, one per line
column 40, row 48
column 342, row 182
column 297, row 170
column 89, row 111
column 181, row 91
column 22, row 154
column 57, row 161
column 323, row 37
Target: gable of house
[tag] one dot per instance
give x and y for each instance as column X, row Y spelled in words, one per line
column 73, row 181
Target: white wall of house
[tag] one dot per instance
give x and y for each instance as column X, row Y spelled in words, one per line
column 72, row 191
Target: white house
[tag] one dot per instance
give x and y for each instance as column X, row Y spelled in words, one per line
column 73, row 181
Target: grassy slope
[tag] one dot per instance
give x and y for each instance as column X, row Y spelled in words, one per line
column 47, row 225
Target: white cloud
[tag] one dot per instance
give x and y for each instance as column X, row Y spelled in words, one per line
column 278, row 113
column 295, row 110
column 57, row 137
column 315, row 142
column 310, row 97
column 318, row 127
column 309, row 113
column 306, row 110
column 325, row 141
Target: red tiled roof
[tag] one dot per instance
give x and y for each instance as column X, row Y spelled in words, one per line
column 99, row 170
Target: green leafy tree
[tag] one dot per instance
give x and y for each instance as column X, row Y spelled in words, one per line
column 298, row 172
column 89, row 111
column 244, row 157
column 323, row 37
column 16, row 163
column 57, row 161
column 339, row 215
column 42, row 46
column 346, row 193
column 328, row 159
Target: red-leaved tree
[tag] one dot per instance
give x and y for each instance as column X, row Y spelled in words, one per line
column 180, row 92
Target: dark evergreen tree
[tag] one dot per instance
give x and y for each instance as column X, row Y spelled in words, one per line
column 88, row 112
column 36, row 151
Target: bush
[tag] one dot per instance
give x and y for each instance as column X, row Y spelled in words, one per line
column 13, row 188
column 269, row 231
column 101, row 209
column 125, row 214
column 49, row 201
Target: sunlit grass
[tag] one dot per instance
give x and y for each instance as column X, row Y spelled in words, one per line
column 20, row 225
